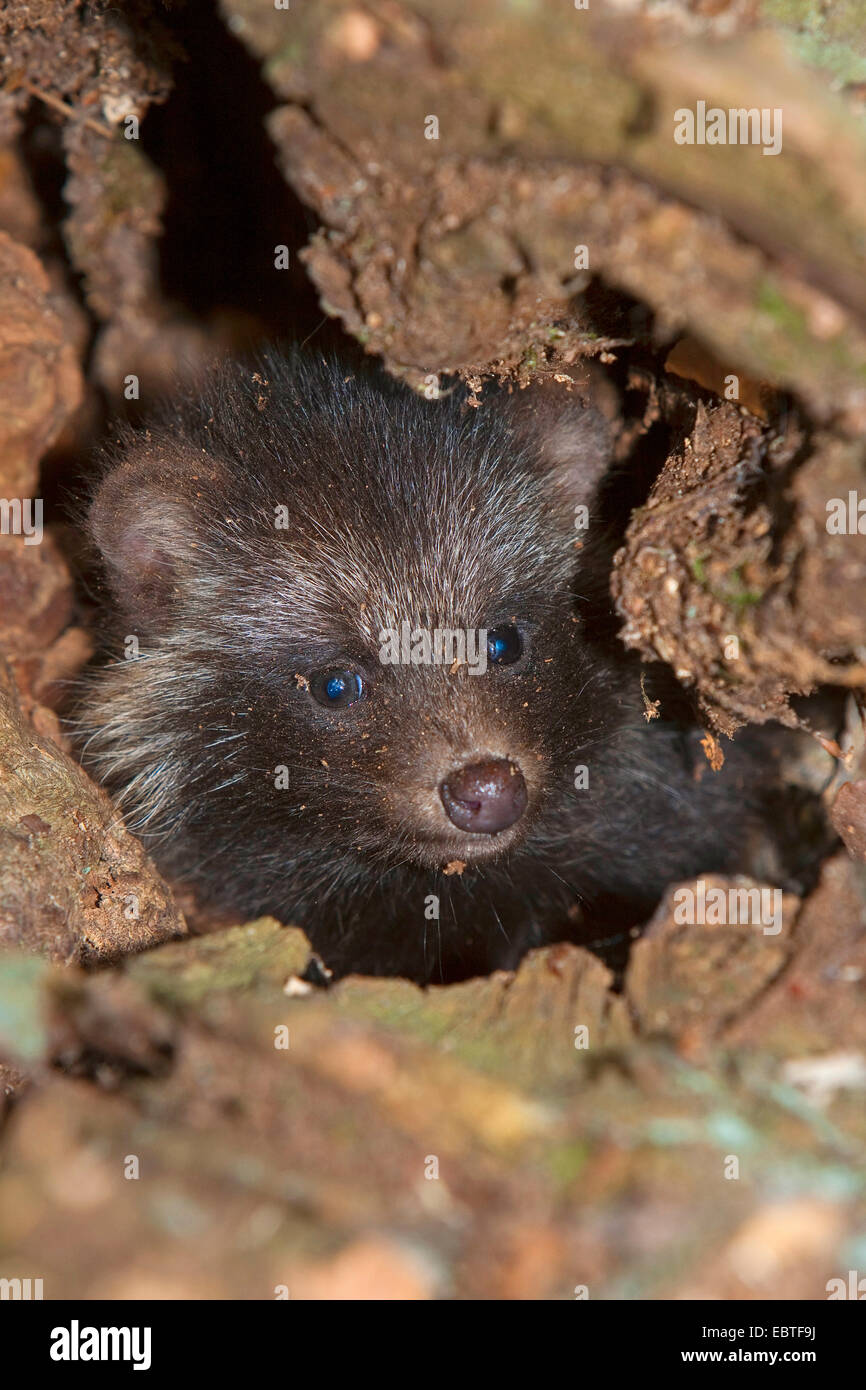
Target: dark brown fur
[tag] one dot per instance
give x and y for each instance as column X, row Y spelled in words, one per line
column 399, row 509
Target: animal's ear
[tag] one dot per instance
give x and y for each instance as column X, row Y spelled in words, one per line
column 567, row 428
column 149, row 523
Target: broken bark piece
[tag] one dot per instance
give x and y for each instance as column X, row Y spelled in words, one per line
column 849, row 817
column 733, row 576
column 40, row 380
column 116, row 199
column 36, row 600
column 74, row 883
column 258, row 956
column 40, row 388
column 469, row 208
column 86, row 64
column 816, row 1004
column 710, row 950
column 281, row 1137
column 540, row 1022
column 97, row 72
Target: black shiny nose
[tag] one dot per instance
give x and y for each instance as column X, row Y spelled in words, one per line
column 485, row 797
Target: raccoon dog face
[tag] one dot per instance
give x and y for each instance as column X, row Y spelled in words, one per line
column 353, row 624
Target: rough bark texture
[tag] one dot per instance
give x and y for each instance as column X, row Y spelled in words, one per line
column 381, row 1141
column 556, row 130
column 523, row 1135
column 74, row 883
column 730, row 574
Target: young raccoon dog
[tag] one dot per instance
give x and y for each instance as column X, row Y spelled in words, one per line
column 376, row 689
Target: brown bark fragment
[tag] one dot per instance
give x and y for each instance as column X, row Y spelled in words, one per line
column 74, row 884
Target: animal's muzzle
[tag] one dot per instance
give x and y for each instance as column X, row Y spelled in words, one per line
column 485, row 797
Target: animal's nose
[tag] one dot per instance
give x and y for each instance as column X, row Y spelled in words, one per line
column 485, row 797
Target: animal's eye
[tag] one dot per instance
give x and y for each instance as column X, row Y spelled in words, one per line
column 504, row 645
column 337, row 689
